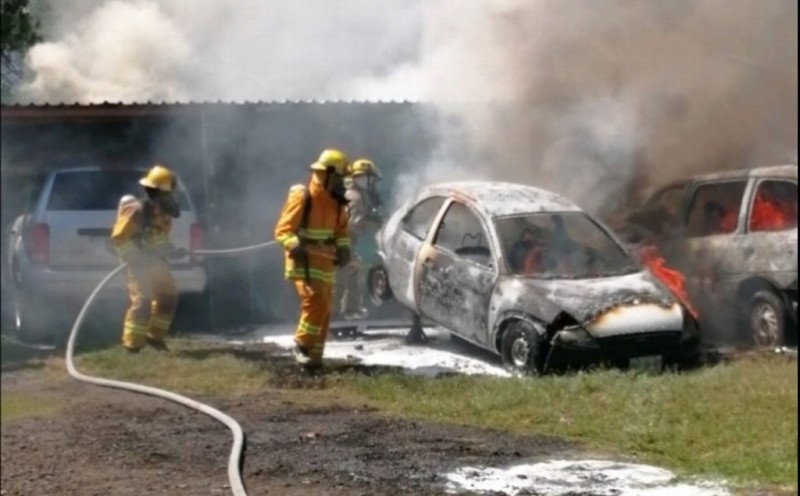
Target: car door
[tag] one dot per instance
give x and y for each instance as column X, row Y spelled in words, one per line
column 770, row 246
column 457, row 272
column 710, row 251
column 405, row 245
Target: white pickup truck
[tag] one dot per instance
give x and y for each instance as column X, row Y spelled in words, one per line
column 58, row 248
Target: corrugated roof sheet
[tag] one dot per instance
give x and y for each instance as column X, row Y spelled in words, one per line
column 50, row 112
column 204, row 102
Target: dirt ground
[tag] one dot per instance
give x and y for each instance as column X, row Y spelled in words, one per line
column 109, row 442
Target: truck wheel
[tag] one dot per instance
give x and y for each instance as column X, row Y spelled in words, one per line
column 378, row 285
column 522, row 349
column 766, row 319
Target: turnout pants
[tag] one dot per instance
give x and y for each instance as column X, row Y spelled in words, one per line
column 153, row 299
column 352, row 287
column 315, row 315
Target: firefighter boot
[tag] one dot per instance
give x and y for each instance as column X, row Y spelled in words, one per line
column 157, row 344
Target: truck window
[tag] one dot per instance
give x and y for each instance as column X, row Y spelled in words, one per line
column 98, row 190
column 714, row 209
column 774, row 206
column 668, row 201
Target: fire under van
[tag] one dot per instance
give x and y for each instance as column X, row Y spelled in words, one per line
column 734, row 236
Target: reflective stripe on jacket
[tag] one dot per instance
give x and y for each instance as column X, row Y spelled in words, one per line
column 326, row 229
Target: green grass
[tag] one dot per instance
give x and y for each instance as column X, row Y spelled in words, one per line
column 198, row 369
column 737, row 421
column 21, row 405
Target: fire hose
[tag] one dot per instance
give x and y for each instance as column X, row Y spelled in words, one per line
column 235, row 460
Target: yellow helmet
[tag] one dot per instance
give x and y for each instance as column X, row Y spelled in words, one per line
column 159, row 177
column 363, row 166
column 334, row 159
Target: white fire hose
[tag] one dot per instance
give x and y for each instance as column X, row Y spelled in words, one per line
column 235, row 461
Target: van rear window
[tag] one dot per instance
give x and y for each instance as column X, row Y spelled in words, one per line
column 97, row 190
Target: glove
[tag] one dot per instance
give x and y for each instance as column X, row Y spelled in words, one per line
column 343, row 257
column 299, row 254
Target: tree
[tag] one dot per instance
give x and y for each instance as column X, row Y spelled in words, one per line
column 18, row 32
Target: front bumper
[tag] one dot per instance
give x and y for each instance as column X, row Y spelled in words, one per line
column 630, row 345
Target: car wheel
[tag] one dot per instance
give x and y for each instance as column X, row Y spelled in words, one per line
column 378, row 285
column 522, row 349
column 766, row 319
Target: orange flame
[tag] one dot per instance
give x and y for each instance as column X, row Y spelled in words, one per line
column 672, row 278
column 771, row 215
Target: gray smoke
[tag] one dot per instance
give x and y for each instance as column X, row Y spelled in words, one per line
column 195, row 50
column 596, row 99
column 602, row 98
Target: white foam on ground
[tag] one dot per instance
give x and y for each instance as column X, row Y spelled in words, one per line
column 568, row 477
column 386, row 347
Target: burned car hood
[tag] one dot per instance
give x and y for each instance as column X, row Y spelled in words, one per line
column 586, row 299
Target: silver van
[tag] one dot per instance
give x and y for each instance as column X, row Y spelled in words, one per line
column 59, row 247
column 734, row 236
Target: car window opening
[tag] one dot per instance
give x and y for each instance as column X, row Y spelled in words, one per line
column 462, row 234
column 561, row 245
column 419, row 219
column 98, row 190
column 774, row 207
column 715, row 209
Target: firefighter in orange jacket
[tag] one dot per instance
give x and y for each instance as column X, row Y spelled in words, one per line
column 313, row 232
column 141, row 239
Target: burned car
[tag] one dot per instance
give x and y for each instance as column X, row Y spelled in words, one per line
column 734, row 234
column 526, row 274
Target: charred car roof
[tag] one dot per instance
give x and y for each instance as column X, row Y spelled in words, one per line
column 497, row 199
column 789, row 171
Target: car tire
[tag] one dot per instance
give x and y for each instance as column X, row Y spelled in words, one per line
column 378, row 285
column 522, row 349
column 765, row 319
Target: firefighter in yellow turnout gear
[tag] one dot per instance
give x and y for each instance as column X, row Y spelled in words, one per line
column 141, row 239
column 364, row 205
column 313, row 232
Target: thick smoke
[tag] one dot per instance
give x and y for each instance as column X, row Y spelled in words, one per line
column 182, row 50
column 600, row 100
column 595, row 98
column 592, row 98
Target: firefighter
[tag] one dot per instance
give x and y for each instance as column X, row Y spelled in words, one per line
column 313, row 232
column 141, row 239
column 363, row 204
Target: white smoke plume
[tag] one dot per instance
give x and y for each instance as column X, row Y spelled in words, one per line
column 592, row 98
column 193, row 50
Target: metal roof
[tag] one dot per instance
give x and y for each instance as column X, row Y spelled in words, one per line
column 80, row 111
column 787, row 170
